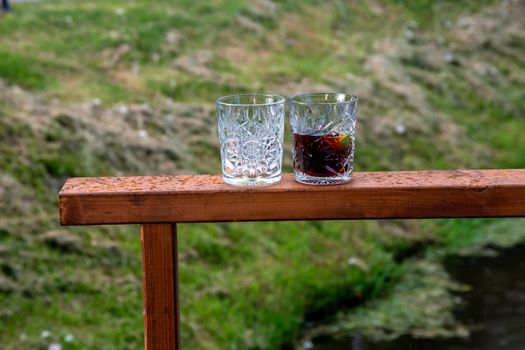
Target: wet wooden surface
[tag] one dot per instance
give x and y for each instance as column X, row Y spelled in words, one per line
column 370, row 195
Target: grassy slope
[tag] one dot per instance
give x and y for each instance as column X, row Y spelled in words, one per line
column 244, row 286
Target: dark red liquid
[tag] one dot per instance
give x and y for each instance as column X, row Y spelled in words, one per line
column 322, row 156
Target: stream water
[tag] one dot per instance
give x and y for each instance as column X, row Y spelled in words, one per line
column 496, row 304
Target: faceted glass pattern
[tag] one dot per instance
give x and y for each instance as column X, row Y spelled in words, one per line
column 251, row 129
column 323, row 136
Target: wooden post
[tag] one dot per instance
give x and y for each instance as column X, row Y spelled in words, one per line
column 160, row 283
column 151, row 200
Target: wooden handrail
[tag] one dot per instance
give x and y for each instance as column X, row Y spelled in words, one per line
column 373, row 195
column 159, row 202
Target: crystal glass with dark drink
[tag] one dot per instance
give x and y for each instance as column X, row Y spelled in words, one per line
column 323, row 136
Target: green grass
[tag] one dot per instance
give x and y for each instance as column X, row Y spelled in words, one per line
column 23, row 71
column 427, row 13
column 194, row 89
column 486, row 121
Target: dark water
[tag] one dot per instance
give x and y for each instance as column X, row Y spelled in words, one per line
column 496, row 304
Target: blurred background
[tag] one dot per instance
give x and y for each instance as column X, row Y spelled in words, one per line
column 114, row 87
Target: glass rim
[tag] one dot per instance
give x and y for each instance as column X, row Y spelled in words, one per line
column 348, row 98
column 278, row 99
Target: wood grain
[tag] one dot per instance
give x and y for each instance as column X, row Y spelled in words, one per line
column 160, row 286
column 370, row 195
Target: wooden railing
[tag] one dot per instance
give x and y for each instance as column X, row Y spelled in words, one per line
column 157, row 203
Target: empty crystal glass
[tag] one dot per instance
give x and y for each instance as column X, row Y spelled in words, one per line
column 323, row 136
column 251, row 129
